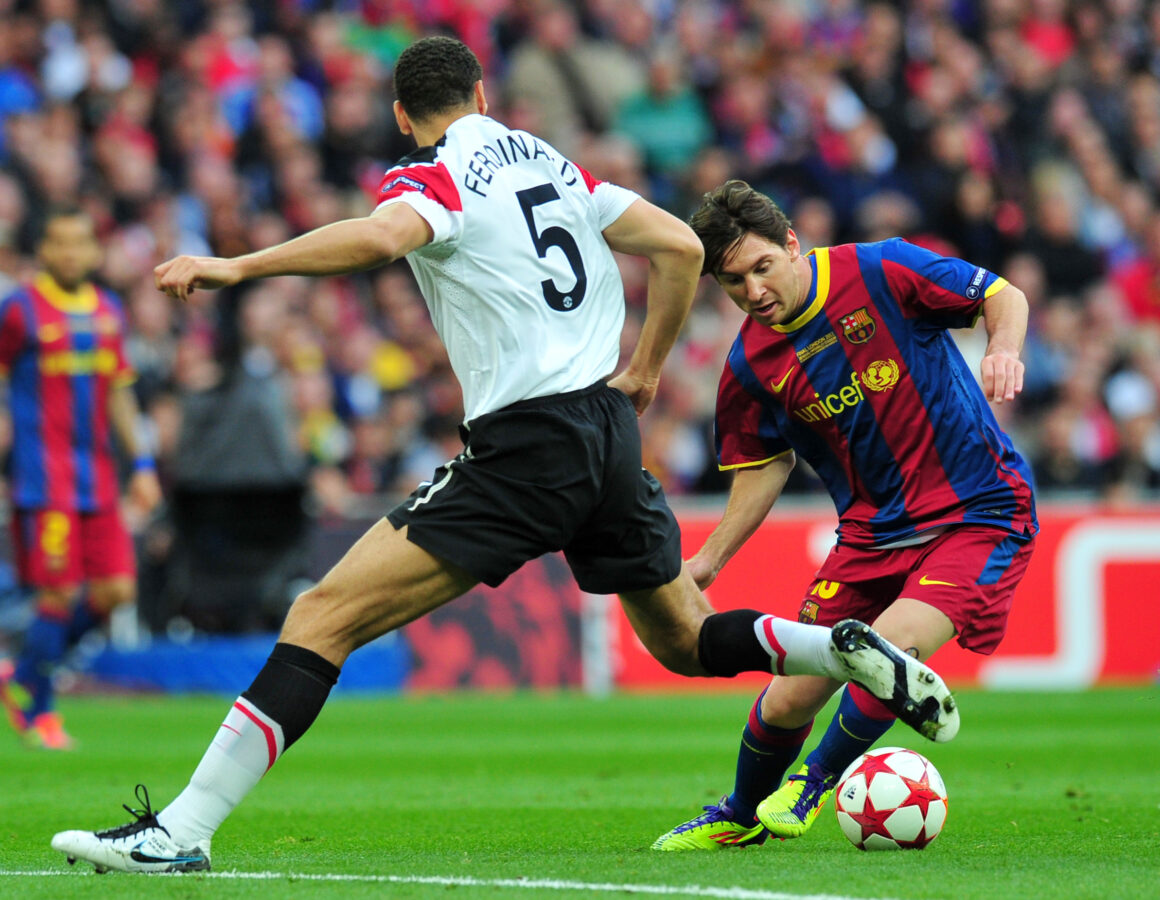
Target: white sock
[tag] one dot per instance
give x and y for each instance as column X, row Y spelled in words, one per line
column 247, row 744
column 798, row 649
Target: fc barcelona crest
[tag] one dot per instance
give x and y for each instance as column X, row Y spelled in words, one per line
column 809, row 612
column 858, row 327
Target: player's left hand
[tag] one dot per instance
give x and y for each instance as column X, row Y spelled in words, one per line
column 1002, row 376
column 704, row 573
column 144, row 490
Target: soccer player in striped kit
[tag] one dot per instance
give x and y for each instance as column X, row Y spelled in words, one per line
column 70, row 391
column 512, row 245
column 845, row 360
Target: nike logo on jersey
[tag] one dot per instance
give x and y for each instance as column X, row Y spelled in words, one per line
column 925, row 581
column 778, row 385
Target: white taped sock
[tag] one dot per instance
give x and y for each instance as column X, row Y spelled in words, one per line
column 798, row 649
column 246, row 745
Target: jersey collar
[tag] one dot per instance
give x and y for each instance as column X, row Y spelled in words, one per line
column 82, row 300
column 819, row 260
column 443, row 140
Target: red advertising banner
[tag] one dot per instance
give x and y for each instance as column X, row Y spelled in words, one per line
column 1085, row 613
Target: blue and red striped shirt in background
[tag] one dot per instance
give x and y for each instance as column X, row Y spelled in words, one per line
column 63, row 354
column 867, row 386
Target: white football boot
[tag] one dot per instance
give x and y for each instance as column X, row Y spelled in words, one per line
column 910, row 689
column 140, row 846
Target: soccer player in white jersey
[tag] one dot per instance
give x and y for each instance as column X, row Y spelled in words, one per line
column 512, row 246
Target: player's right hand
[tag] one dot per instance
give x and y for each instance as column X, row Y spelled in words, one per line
column 180, row 276
column 639, row 390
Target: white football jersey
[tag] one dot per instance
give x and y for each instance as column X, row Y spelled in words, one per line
column 521, row 285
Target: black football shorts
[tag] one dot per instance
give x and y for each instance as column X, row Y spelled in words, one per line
column 561, row 472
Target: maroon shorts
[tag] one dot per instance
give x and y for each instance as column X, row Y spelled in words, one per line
column 57, row 548
column 968, row 572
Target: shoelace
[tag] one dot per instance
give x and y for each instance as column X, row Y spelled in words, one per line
column 712, row 813
column 813, row 789
column 145, row 818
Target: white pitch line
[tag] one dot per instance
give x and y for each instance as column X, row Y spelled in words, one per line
column 540, row 884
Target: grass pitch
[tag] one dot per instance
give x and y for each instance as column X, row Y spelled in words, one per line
column 554, row 797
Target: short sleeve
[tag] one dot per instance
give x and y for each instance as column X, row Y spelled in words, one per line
column 611, row 199
column 13, row 331
column 944, row 288
column 746, row 432
column 428, row 189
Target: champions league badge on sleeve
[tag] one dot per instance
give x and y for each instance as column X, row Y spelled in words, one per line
column 976, row 286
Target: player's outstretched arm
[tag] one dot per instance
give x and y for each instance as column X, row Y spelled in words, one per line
column 351, row 245
column 755, row 489
column 1005, row 318
column 674, row 254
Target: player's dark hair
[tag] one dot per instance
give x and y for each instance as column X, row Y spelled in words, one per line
column 59, row 211
column 730, row 212
column 435, row 75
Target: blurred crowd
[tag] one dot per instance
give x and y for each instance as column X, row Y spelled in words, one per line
column 1022, row 135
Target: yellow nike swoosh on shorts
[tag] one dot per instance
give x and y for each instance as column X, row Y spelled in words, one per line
column 924, row 581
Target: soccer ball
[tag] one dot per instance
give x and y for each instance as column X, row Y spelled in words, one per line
column 891, row 799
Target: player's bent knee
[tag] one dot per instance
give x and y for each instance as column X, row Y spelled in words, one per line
column 318, row 619
column 56, row 599
column 108, row 595
column 792, row 701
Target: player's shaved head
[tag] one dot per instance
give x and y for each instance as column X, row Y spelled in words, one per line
column 58, row 212
column 436, row 75
column 730, row 212
column 68, row 247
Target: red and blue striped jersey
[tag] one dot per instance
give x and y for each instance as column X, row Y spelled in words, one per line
column 867, row 386
column 63, row 354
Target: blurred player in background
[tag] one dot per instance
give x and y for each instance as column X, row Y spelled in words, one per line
column 845, row 359
column 512, row 246
column 69, row 390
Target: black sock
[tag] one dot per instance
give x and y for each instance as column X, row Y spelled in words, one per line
column 291, row 689
column 729, row 646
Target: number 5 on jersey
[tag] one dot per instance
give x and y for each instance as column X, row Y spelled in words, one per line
column 554, row 236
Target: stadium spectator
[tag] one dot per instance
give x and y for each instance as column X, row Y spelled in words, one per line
column 666, row 121
column 62, row 347
column 238, row 521
column 552, row 460
column 1139, row 280
column 843, row 359
column 1132, row 395
column 275, row 81
column 1058, row 463
column 19, row 92
column 1054, row 237
column 573, row 83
